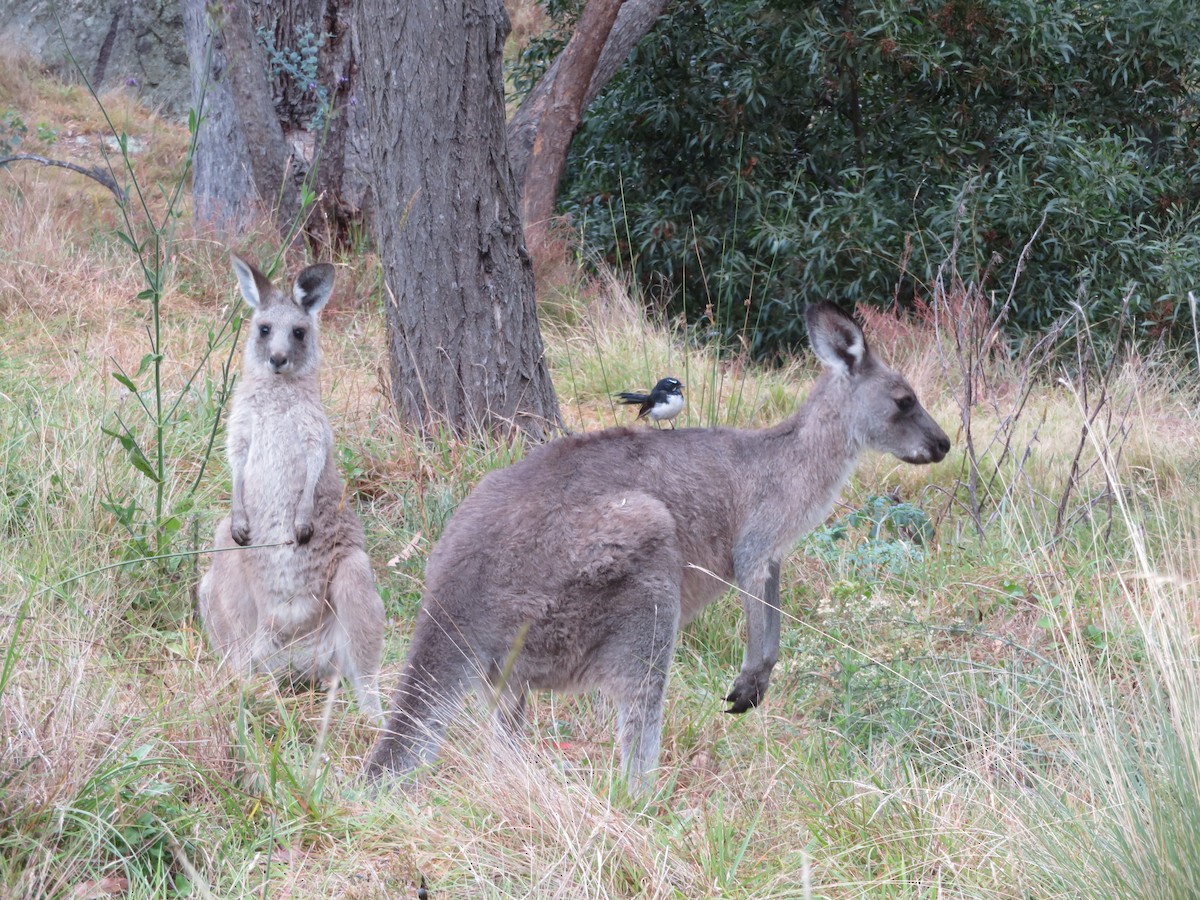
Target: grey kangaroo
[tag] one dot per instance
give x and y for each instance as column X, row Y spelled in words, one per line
column 299, row 600
column 575, row 568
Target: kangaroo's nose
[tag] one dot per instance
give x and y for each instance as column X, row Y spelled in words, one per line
column 943, row 447
column 278, row 361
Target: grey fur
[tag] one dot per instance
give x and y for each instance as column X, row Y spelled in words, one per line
column 575, row 568
column 306, row 607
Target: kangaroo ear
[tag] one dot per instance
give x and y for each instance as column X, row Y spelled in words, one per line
column 836, row 338
column 313, row 287
column 256, row 287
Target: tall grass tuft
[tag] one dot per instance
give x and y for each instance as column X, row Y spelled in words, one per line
column 1119, row 814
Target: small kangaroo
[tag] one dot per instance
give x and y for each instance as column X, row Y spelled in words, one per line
column 575, row 568
column 300, row 599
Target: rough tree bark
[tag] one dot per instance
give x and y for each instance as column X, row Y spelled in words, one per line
column 564, row 108
column 633, row 21
column 240, row 170
column 465, row 348
column 322, row 124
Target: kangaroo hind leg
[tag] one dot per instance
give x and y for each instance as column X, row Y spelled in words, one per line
column 359, row 620
column 636, row 608
column 225, row 603
column 638, row 662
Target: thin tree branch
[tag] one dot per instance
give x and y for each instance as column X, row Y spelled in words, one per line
column 93, row 172
column 634, row 21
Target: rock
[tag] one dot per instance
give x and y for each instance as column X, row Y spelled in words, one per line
column 135, row 44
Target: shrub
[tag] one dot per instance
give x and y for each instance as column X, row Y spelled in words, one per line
column 756, row 155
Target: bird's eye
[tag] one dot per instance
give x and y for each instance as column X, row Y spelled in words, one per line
column 264, row 330
column 298, row 333
column 906, row 403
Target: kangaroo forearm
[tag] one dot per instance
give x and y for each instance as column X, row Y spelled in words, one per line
column 772, row 615
column 304, row 509
column 238, row 516
column 761, row 604
column 311, row 476
column 762, row 610
column 239, row 491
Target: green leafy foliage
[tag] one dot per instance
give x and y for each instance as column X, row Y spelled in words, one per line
column 758, row 155
column 301, row 65
column 152, row 530
column 12, row 132
column 883, row 536
column 151, row 526
column 138, row 810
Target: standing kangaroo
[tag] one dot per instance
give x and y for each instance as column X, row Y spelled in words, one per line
column 575, row 568
column 300, row 599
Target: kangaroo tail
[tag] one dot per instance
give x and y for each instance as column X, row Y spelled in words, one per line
column 435, row 678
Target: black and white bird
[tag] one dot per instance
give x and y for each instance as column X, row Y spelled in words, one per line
column 662, row 404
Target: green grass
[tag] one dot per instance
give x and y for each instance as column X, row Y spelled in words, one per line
column 1000, row 714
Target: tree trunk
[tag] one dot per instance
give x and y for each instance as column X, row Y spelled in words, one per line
column 635, row 19
column 240, row 170
column 313, row 82
column 465, row 348
column 564, row 107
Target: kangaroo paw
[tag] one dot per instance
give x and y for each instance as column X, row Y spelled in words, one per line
column 749, row 688
column 304, row 532
column 239, row 529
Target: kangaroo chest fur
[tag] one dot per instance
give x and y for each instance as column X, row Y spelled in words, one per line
column 281, row 436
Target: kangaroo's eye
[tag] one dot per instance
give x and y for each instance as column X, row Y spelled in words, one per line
column 906, row 403
column 298, row 333
column 264, row 330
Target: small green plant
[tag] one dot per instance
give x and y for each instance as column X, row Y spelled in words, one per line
column 885, row 536
column 12, row 132
column 301, row 64
column 287, row 767
column 137, row 813
column 46, row 134
column 151, row 241
column 149, row 233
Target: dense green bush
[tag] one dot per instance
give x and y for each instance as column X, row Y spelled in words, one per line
column 755, row 155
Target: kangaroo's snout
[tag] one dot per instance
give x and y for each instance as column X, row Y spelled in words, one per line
column 933, row 449
column 937, row 444
column 934, row 453
column 278, row 361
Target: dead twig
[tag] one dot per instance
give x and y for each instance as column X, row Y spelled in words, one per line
column 93, row 172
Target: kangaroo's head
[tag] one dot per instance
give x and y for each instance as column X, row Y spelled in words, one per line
column 283, row 329
column 878, row 404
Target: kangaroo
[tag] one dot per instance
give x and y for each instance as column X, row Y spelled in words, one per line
column 575, row 568
column 300, row 599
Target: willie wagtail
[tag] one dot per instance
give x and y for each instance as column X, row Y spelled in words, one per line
column 662, row 404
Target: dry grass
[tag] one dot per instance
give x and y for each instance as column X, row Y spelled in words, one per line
column 528, row 19
column 603, row 343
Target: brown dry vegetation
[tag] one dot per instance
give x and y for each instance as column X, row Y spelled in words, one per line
column 925, row 734
column 528, row 19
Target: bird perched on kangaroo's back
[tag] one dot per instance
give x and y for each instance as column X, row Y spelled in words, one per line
column 662, row 404
column 290, row 590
